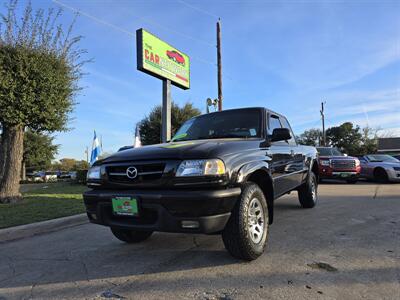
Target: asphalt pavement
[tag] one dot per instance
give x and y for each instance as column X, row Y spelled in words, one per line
column 348, row 247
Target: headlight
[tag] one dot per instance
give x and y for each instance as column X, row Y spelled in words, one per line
column 201, row 167
column 325, row 163
column 357, row 162
column 93, row 173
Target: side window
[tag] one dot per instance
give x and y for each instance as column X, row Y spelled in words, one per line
column 285, row 124
column 273, row 123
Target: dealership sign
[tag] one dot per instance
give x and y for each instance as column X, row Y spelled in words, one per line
column 159, row 59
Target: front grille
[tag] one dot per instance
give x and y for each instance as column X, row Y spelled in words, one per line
column 145, row 172
column 343, row 164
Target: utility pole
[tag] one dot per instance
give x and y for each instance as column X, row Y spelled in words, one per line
column 323, row 124
column 87, row 154
column 166, row 111
column 219, row 62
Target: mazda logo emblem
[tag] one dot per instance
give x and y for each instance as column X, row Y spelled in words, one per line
column 131, row 172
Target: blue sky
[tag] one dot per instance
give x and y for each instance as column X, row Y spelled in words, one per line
column 285, row 55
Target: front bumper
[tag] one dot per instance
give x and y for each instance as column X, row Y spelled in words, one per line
column 329, row 173
column 393, row 175
column 166, row 209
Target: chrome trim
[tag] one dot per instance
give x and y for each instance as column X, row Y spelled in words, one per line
column 344, row 172
column 139, row 174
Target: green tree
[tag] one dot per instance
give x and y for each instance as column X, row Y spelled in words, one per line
column 310, row 137
column 40, row 65
column 369, row 140
column 346, row 137
column 39, row 150
column 69, row 164
column 150, row 127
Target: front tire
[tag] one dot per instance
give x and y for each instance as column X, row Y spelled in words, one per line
column 308, row 192
column 131, row 236
column 381, row 176
column 246, row 233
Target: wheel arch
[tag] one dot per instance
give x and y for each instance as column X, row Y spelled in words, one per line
column 259, row 174
column 379, row 168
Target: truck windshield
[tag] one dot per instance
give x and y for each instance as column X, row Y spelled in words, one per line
column 329, row 152
column 244, row 123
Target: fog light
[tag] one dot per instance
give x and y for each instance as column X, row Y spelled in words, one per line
column 190, row 224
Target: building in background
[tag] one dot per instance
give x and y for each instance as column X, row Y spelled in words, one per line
column 389, row 145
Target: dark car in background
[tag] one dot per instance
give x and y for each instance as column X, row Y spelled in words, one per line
column 333, row 164
column 380, row 167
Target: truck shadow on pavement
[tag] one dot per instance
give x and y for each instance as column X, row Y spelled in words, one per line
column 51, row 260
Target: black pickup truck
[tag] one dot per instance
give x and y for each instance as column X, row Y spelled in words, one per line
column 220, row 174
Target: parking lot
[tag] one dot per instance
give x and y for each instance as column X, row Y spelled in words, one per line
column 348, row 247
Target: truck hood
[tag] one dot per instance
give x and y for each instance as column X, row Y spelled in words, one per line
column 183, row 150
column 338, row 157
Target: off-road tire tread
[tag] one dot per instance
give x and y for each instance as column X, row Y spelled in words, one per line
column 305, row 194
column 235, row 235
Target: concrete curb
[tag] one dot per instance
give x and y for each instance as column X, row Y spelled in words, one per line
column 25, row 231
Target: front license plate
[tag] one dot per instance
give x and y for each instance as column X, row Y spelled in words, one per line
column 125, row 206
column 345, row 174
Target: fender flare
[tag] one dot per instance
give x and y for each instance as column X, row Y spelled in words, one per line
column 250, row 168
column 246, row 170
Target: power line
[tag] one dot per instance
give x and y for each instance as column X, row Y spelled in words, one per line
column 199, row 9
column 132, row 34
column 98, row 20
column 175, row 31
column 101, row 21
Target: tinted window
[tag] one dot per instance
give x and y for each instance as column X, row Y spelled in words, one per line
column 381, row 158
column 285, row 124
column 244, row 123
column 329, row 151
column 274, row 123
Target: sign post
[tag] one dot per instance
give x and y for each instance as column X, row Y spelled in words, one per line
column 166, row 111
column 159, row 59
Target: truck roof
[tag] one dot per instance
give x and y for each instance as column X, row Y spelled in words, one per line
column 254, row 107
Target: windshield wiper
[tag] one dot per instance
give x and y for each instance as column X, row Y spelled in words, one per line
column 180, row 140
column 225, row 136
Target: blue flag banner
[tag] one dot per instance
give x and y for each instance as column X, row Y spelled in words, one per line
column 96, row 150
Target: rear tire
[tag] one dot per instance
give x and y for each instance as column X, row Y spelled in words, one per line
column 308, row 191
column 131, row 236
column 380, row 175
column 246, row 233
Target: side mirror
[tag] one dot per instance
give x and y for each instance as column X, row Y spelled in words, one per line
column 280, row 134
column 345, row 154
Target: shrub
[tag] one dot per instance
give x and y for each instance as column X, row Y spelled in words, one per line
column 81, row 176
